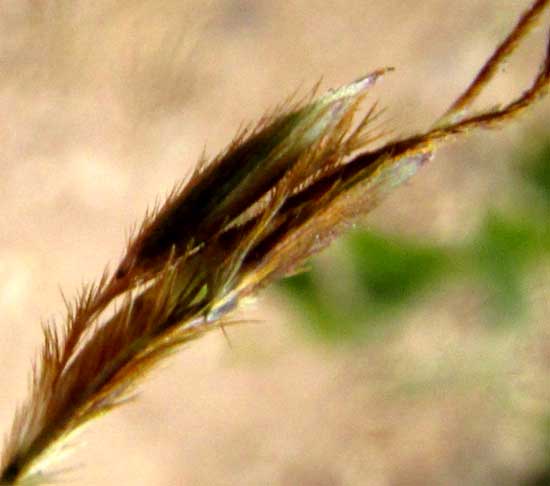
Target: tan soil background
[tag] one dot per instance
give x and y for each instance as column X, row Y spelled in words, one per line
column 104, row 105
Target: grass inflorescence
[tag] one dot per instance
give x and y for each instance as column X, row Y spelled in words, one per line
column 281, row 192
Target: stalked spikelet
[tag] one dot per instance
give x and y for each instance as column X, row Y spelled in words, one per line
column 280, row 193
column 252, row 165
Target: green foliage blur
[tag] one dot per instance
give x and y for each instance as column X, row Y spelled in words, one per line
column 385, row 274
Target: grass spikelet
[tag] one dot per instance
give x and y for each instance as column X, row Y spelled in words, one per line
column 280, row 193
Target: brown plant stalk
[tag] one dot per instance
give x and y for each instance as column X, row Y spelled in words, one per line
column 281, row 192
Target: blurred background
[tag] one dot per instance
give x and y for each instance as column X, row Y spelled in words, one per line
column 415, row 352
